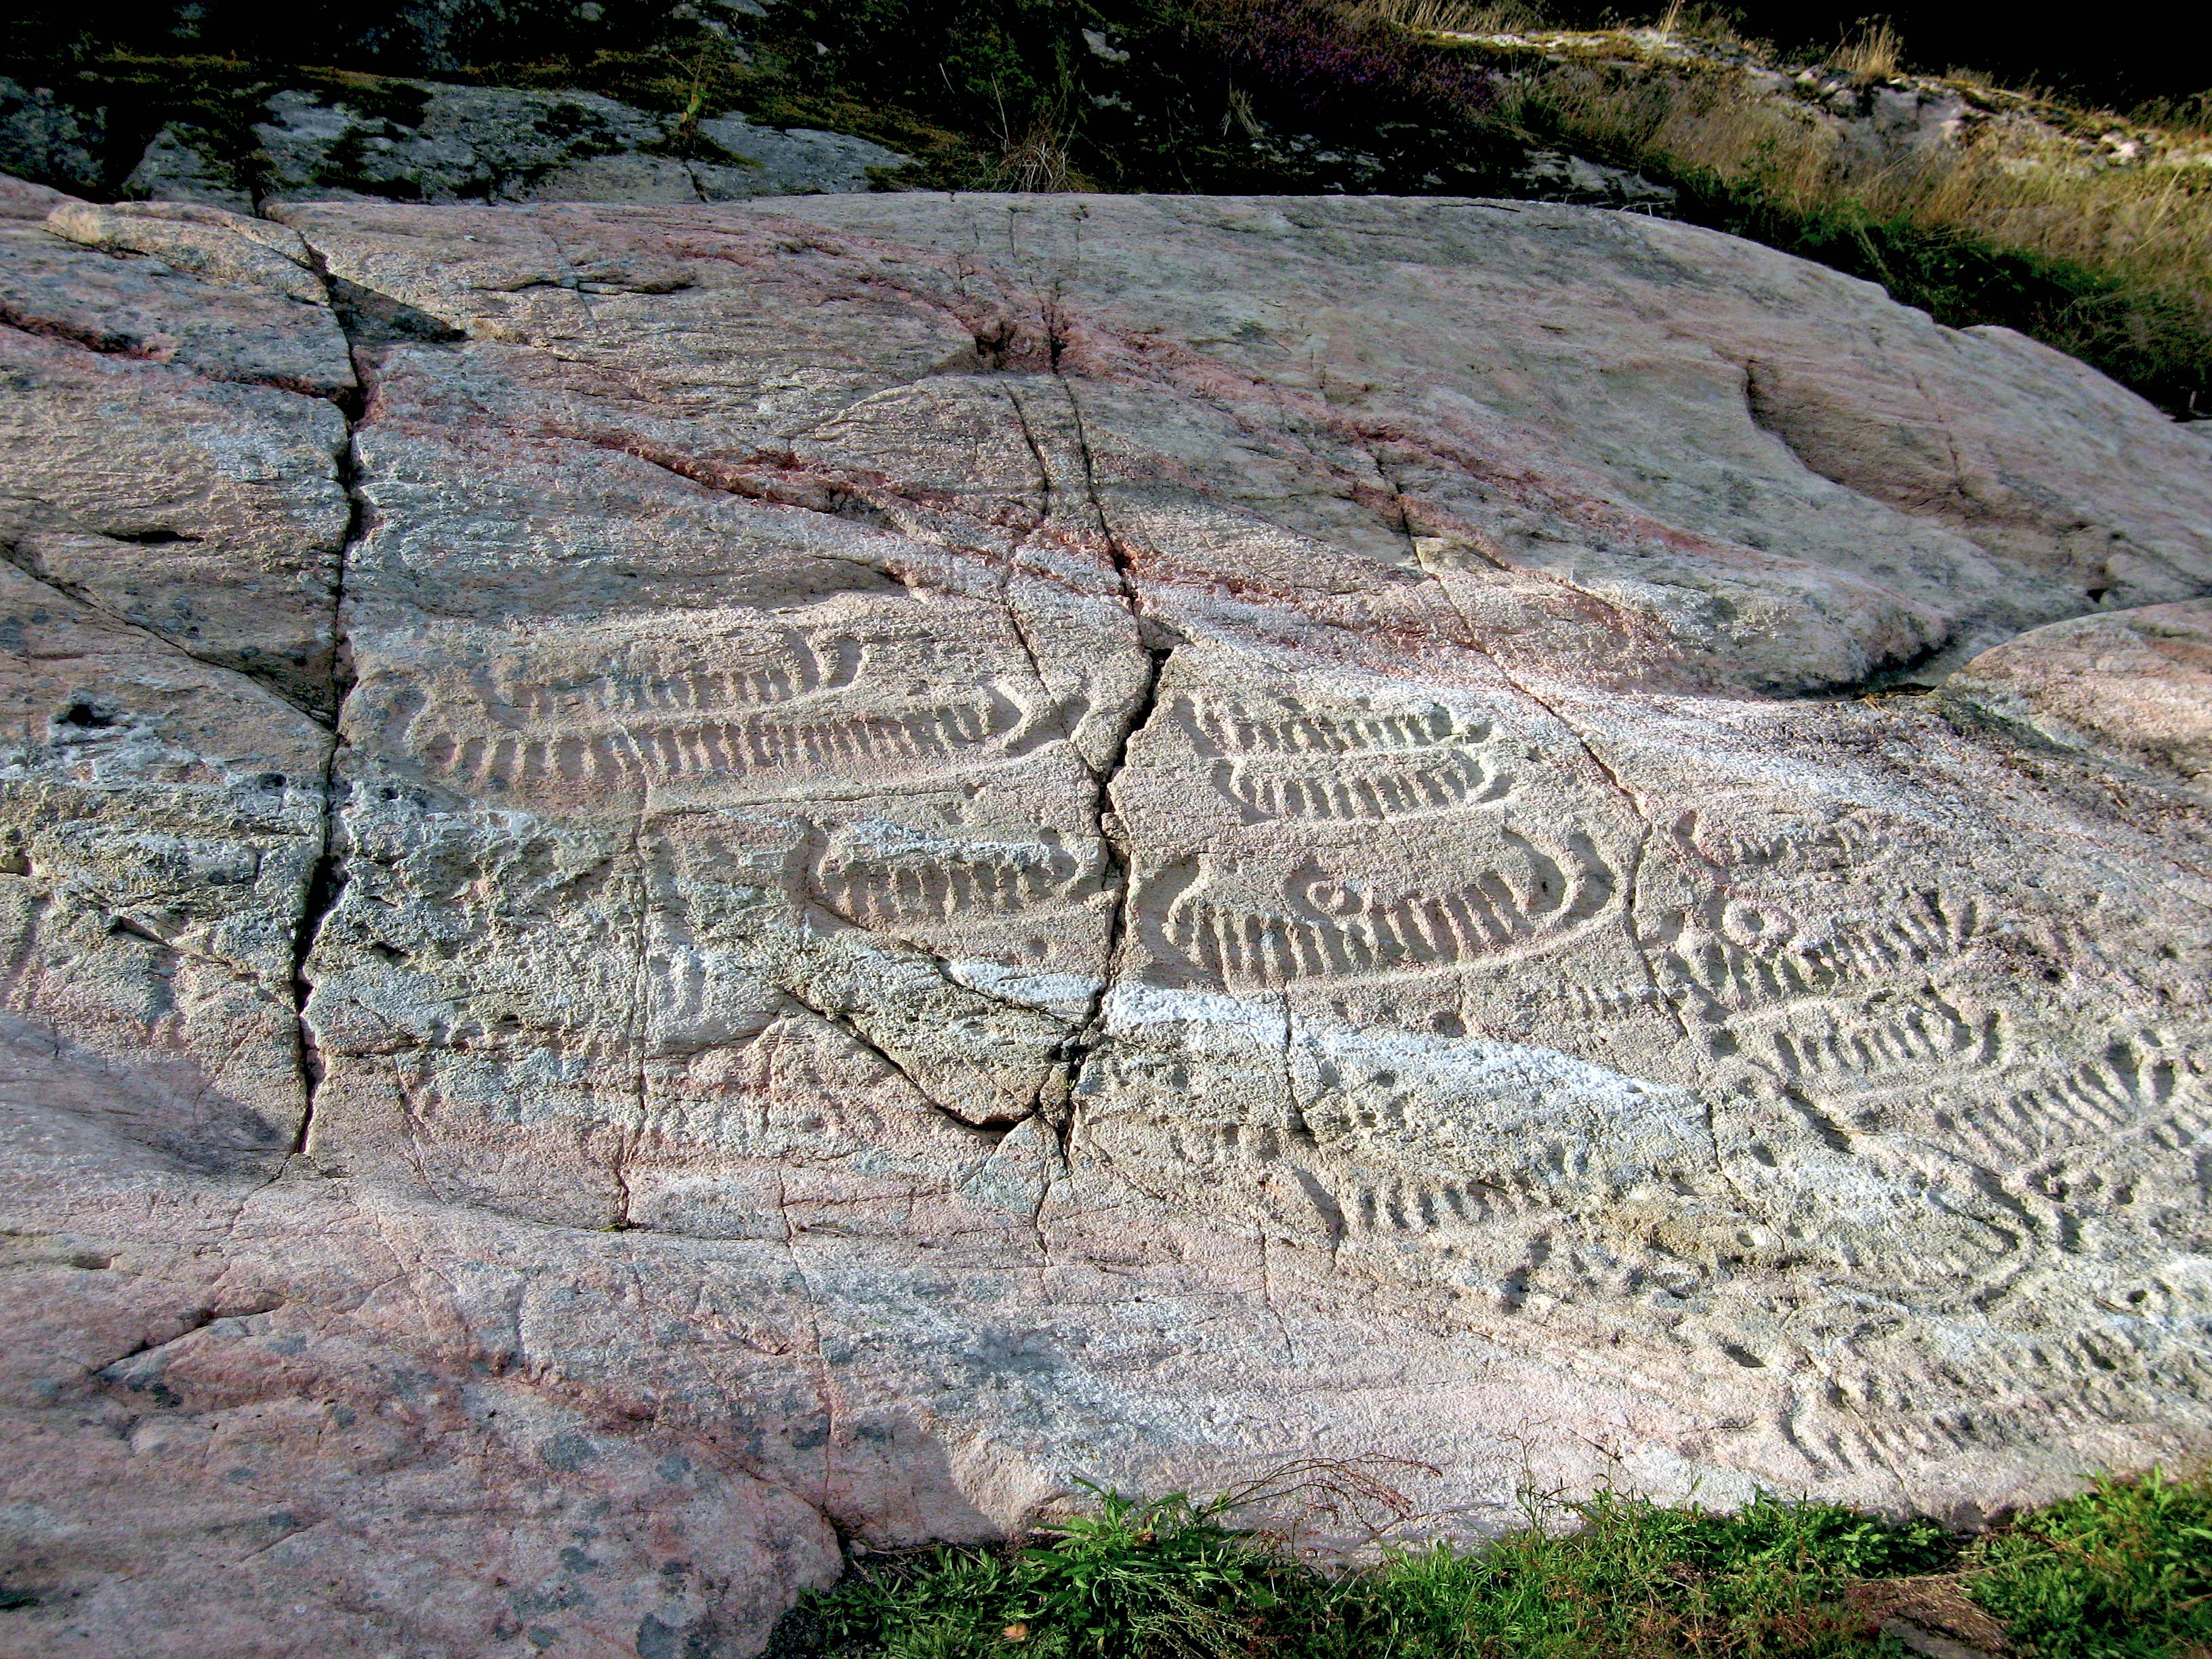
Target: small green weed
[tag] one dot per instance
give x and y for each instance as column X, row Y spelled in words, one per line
column 2123, row 1572
column 1637, row 1578
column 1164, row 1577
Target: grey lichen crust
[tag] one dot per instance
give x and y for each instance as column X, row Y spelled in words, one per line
column 830, row 862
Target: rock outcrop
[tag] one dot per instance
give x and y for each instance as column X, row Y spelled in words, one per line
column 367, row 138
column 683, row 883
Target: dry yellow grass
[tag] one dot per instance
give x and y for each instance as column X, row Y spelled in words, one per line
column 1875, row 56
column 2143, row 231
column 2033, row 212
column 2155, row 221
column 1448, row 16
column 1035, row 165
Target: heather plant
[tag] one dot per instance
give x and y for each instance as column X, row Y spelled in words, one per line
column 1325, row 60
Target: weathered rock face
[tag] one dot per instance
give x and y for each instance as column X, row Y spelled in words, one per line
column 688, row 879
column 2136, row 684
column 449, row 144
column 428, row 141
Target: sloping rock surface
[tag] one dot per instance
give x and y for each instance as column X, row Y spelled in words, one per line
column 2137, row 683
column 684, row 883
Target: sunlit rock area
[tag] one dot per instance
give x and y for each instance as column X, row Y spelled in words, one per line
column 688, row 885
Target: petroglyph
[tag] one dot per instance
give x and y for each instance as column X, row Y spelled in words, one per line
column 1829, row 1039
column 731, row 712
column 622, row 750
column 887, row 875
column 927, row 862
column 1362, row 768
column 1311, row 924
column 1291, row 727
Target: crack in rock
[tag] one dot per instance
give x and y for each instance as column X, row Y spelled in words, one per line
column 326, row 880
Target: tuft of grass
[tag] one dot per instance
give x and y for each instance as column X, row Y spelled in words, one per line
column 1133, row 1578
column 1614, row 1577
column 1446, row 16
column 2123, row 1572
column 1634, row 1579
column 1876, row 55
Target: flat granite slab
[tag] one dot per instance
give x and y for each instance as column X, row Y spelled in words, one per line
column 683, row 883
